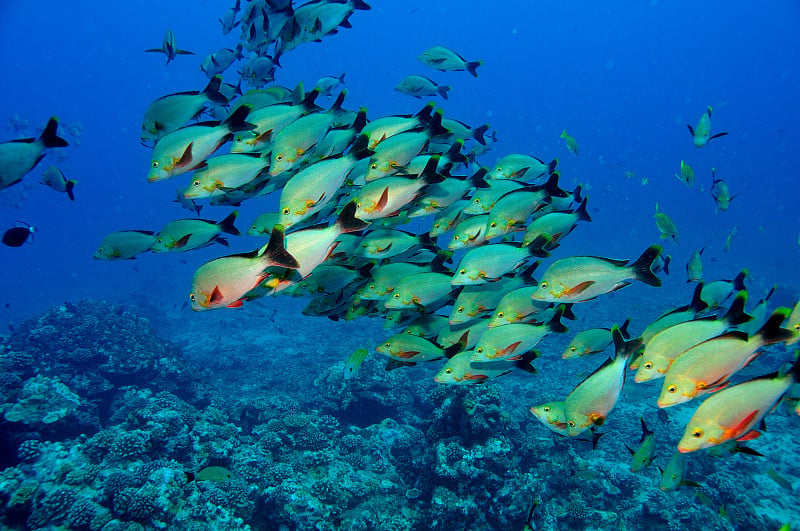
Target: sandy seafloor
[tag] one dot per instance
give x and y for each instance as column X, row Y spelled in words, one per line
column 260, row 390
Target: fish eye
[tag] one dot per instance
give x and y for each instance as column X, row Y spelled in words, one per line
column 573, row 349
column 501, row 314
column 546, row 409
column 543, row 285
column 448, row 370
column 672, row 388
column 460, row 309
column 455, row 238
column 493, row 224
column 373, row 166
column 196, row 182
column 476, row 200
column 697, row 433
column 372, row 286
column 571, row 423
column 192, row 297
column 278, row 157
column 462, row 272
column 285, row 211
column 396, row 295
column 392, row 164
column 648, row 365
column 387, row 344
column 155, row 164
column 479, row 350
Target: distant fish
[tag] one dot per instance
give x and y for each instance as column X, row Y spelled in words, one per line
column 328, row 84
column 673, row 476
column 353, row 362
column 173, row 111
column 446, row 60
column 228, row 20
column 169, row 48
column 726, row 247
column 218, row 62
column 686, row 176
column 210, row 473
column 643, row 455
column 17, row 236
column 720, row 192
column 572, row 144
column 125, row 245
column 701, row 133
column 54, row 178
column 694, row 267
column 188, row 234
column 421, row 86
column 18, row 157
column 460, row 370
column 665, row 225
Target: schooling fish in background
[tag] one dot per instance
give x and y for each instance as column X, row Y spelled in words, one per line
column 18, row 157
column 675, row 316
column 572, row 144
column 701, row 133
column 218, row 62
column 125, row 245
column 421, row 86
column 735, row 412
column 726, row 247
column 667, row 227
column 173, row 111
column 694, row 267
column 17, row 236
column 716, row 292
column 169, row 48
column 228, row 20
column 353, row 362
column 460, row 370
column 580, row 278
column 188, row 234
column 686, row 175
column 720, row 192
column 446, row 60
column 518, row 166
column 593, row 341
column 673, row 476
column 328, row 84
column 54, row 178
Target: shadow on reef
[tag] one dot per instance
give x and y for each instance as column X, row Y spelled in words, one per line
column 100, row 421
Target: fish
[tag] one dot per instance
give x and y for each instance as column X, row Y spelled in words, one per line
column 469, row 232
column 516, row 166
column 421, row 290
column 484, row 198
column 17, row 236
column 667, row 227
column 644, row 453
column 572, row 144
column 512, row 340
column 475, row 302
column 18, row 157
column 720, row 193
column 313, row 187
column 511, row 211
column 386, row 243
column 412, row 349
column 269, row 121
column 445, row 220
column 54, row 178
column 726, row 247
column 187, row 148
column 592, row 341
column 421, row 86
column 701, row 133
column 228, row 20
column 673, row 476
column 125, row 245
column 716, row 292
column 581, row 278
column 461, row 370
column 670, row 344
column 686, row 176
column 210, row 473
column 677, row 315
column 387, row 196
column 294, row 142
column 224, row 282
column 353, row 362
column 328, row 84
column 731, row 448
column 735, row 412
column 171, row 112
column 592, row 400
column 556, row 225
column 552, row 415
column 188, row 234
column 169, row 48
column 780, row 480
column 694, row 267
column 490, row 262
column 387, row 126
column 708, row 366
column 263, row 224
column 427, row 325
column 446, row 60
column 218, row 62
column 518, row 306
column 224, row 173
column 393, row 154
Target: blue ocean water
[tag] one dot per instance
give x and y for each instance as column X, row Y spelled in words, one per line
column 623, row 79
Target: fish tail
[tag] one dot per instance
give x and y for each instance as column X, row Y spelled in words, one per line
column 735, row 314
column 551, row 186
column 360, row 149
column 645, row 431
column 568, row 313
column 772, row 332
column 434, row 126
column 576, row 194
column 424, row 114
column 237, row 120
column 555, row 325
column 478, row 133
column 526, row 361
column 624, row 329
column 698, row 304
column 472, row 67
column 477, row 179
column 212, row 91
column 70, row 188
column 454, row 154
column 359, row 4
column 275, row 252
column 643, row 266
column 738, row 280
column 360, row 121
column 226, row 225
column 581, row 212
column 623, row 347
column 49, row 137
column 429, row 174
column 551, row 166
column 337, row 105
column 442, row 90
column 537, row 246
column 347, row 220
column 438, row 262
